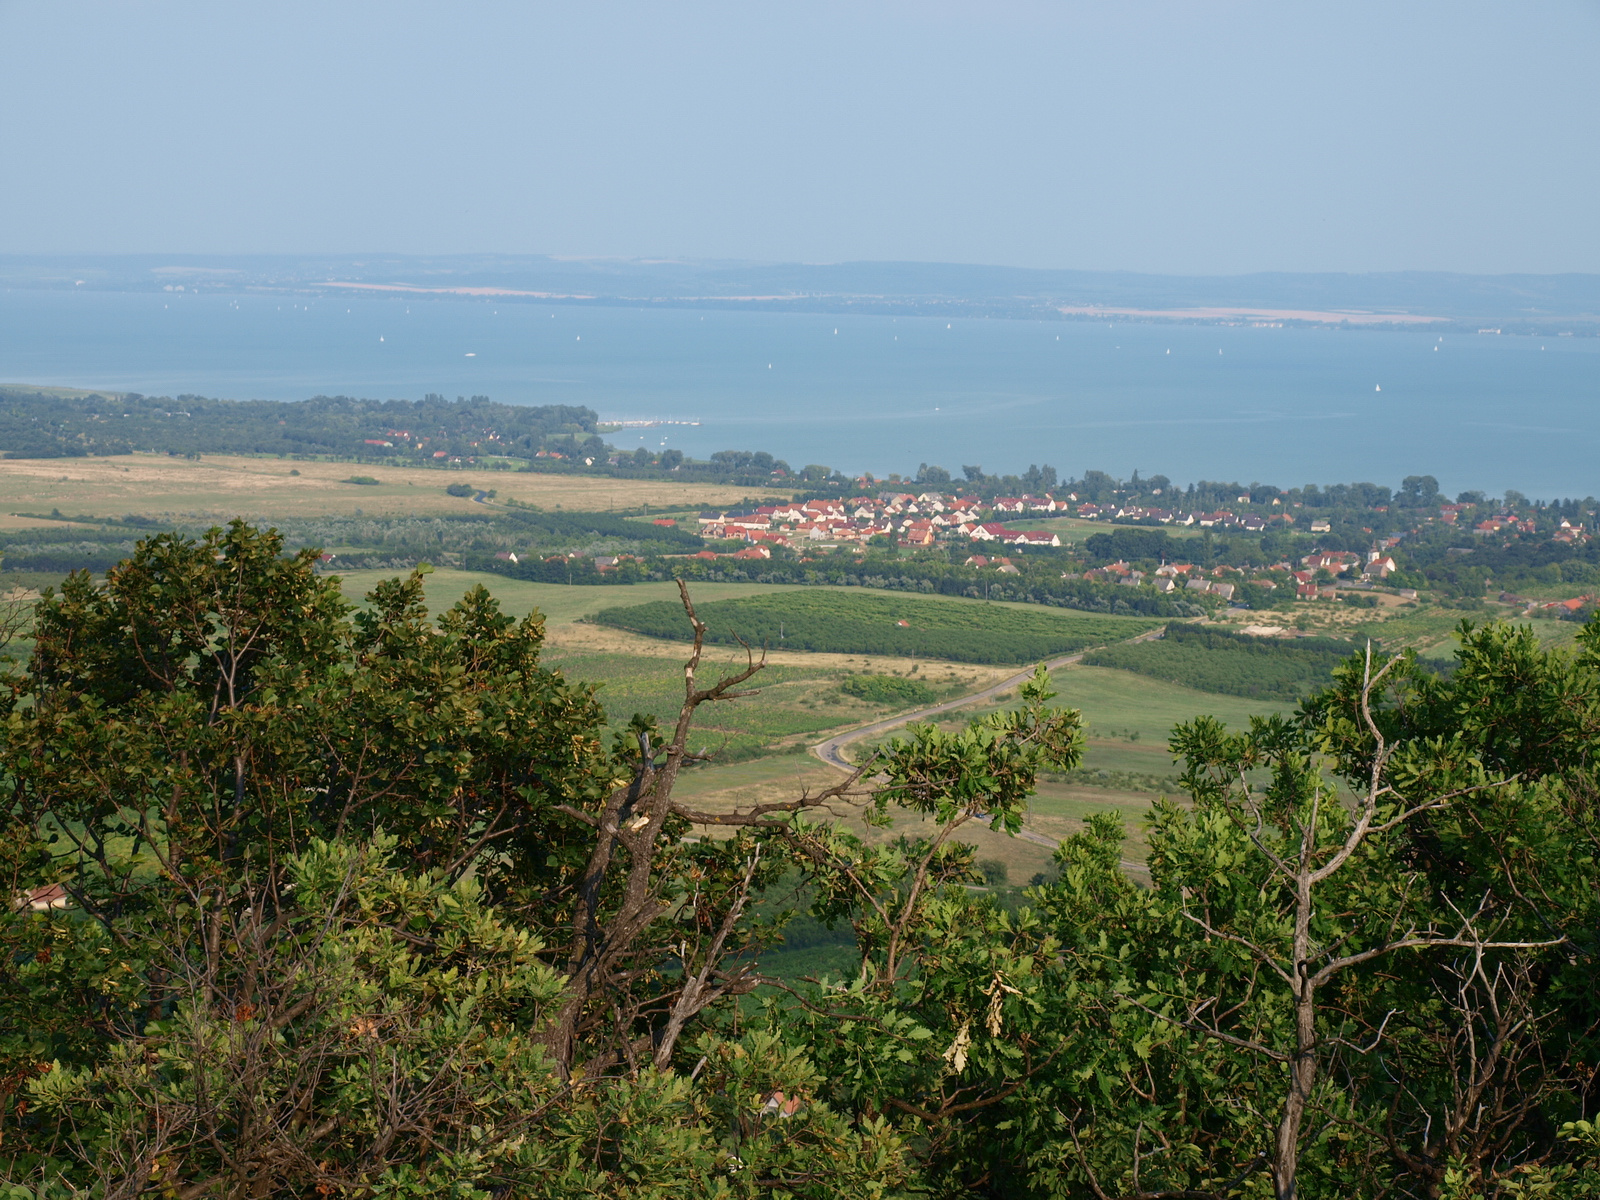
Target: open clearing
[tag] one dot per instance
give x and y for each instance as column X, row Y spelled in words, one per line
column 219, row 487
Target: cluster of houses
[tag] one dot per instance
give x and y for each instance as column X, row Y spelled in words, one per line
column 1346, row 569
column 1223, row 519
column 1172, row 577
column 405, row 439
column 1573, row 607
column 1510, row 523
column 904, row 518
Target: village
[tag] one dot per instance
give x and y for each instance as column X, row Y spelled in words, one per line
column 904, row 519
column 911, row 520
column 1267, row 550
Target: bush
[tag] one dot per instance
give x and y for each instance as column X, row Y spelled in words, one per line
column 994, row 872
column 365, row 480
column 460, row 489
column 888, row 689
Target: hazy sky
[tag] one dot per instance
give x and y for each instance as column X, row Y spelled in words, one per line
column 1176, row 137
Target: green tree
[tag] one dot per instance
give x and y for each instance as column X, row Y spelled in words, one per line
column 222, row 766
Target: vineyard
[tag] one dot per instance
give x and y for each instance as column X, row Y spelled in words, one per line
column 867, row 623
column 1234, row 664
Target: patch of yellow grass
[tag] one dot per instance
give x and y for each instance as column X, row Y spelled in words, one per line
column 221, row 487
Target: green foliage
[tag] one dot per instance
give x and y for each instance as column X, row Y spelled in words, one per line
column 857, row 623
column 366, row 904
column 365, row 480
column 1130, row 544
column 323, row 920
column 1234, row 664
column 889, row 689
column 459, row 489
column 440, row 1019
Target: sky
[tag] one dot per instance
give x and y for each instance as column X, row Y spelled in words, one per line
column 1187, row 138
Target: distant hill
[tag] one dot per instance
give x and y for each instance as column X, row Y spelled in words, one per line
column 1546, row 304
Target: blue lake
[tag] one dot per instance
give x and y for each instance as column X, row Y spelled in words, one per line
column 1284, row 406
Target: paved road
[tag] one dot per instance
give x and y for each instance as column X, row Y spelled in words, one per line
column 831, row 750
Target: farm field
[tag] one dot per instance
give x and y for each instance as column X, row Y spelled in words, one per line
column 565, row 607
column 560, row 604
column 219, row 487
column 1213, row 660
column 837, row 621
column 799, row 696
column 1432, row 631
column 1128, row 717
column 1128, row 720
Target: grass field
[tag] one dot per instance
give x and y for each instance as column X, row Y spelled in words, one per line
column 1127, row 722
column 1128, row 719
column 793, row 707
column 219, row 487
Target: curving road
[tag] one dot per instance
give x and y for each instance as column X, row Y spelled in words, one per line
column 830, row 750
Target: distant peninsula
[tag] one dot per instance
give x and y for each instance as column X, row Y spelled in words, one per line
column 1543, row 305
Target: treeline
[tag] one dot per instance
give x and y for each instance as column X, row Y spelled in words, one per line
column 473, row 537
column 51, row 425
column 828, row 622
column 1040, row 583
column 565, row 527
column 1233, row 664
column 930, row 578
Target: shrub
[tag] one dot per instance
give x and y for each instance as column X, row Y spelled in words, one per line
column 887, row 689
column 365, row 480
column 460, row 489
column 994, row 872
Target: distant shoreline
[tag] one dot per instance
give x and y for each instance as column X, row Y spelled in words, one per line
column 1312, row 316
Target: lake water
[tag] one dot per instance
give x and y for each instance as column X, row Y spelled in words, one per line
column 1284, row 406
